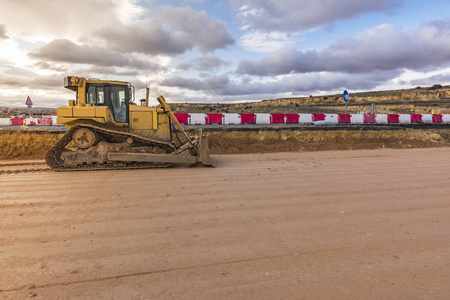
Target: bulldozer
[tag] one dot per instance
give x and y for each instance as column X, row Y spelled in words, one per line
column 107, row 130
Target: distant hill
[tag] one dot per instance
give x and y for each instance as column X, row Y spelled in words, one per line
column 417, row 100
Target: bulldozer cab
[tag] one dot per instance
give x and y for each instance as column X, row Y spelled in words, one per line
column 115, row 96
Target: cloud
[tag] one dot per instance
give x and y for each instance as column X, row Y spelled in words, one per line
column 3, row 32
column 211, row 84
column 38, row 82
column 174, row 31
column 299, row 15
column 203, row 64
column 380, row 48
column 62, row 50
column 45, row 19
column 294, row 83
column 256, row 41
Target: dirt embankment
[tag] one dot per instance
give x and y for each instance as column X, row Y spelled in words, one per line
column 16, row 144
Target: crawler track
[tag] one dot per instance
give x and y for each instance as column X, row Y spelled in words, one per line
column 53, row 155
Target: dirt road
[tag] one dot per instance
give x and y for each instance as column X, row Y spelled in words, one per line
column 365, row 224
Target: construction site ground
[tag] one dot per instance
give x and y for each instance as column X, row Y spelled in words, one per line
column 361, row 224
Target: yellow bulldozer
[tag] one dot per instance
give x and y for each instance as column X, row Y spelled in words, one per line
column 107, row 130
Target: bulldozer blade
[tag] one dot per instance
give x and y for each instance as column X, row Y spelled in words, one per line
column 203, row 152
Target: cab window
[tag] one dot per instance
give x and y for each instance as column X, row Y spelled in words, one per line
column 95, row 95
column 119, row 103
column 90, row 95
column 100, row 95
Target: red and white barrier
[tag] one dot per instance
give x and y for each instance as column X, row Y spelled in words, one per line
column 292, row 118
column 197, row 119
column 5, row 121
column 369, row 118
column 248, row 118
column 404, row 118
column 17, row 121
column 318, row 117
column 262, row 118
column 416, row 118
column 305, row 118
column 344, row 118
column 428, row 118
column 381, row 119
column 275, row 118
column 446, row 119
column 182, row 118
column 45, row 121
column 212, row 119
column 331, row 119
column 231, row 118
column 357, row 119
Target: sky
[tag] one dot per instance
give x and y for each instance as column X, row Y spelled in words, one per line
column 223, row 51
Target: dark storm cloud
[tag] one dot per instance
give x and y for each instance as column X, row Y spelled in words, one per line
column 203, row 64
column 298, row 15
column 381, row 48
column 3, row 32
column 66, row 51
column 301, row 83
column 174, row 32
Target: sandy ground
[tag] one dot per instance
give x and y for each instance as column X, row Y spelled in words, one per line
column 366, row 224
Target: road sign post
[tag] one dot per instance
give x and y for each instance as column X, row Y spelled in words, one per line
column 29, row 104
column 346, row 96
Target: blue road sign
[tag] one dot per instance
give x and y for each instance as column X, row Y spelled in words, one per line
column 345, row 96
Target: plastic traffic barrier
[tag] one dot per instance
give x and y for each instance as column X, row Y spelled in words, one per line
column 342, row 118
column 231, row 118
column 416, row 118
column 17, row 121
column 5, row 121
column 213, row 119
column 369, row 119
column 318, row 117
column 331, row 119
column 45, row 121
column 183, row 118
column 292, row 118
column 404, row 118
column 358, row 119
column 305, row 118
column 276, row 118
column 248, row 118
column 427, row 118
column 197, row 119
column 262, row 118
column 437, row 118
column 393, row 118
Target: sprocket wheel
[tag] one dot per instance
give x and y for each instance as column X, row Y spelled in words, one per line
column 84, row 138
